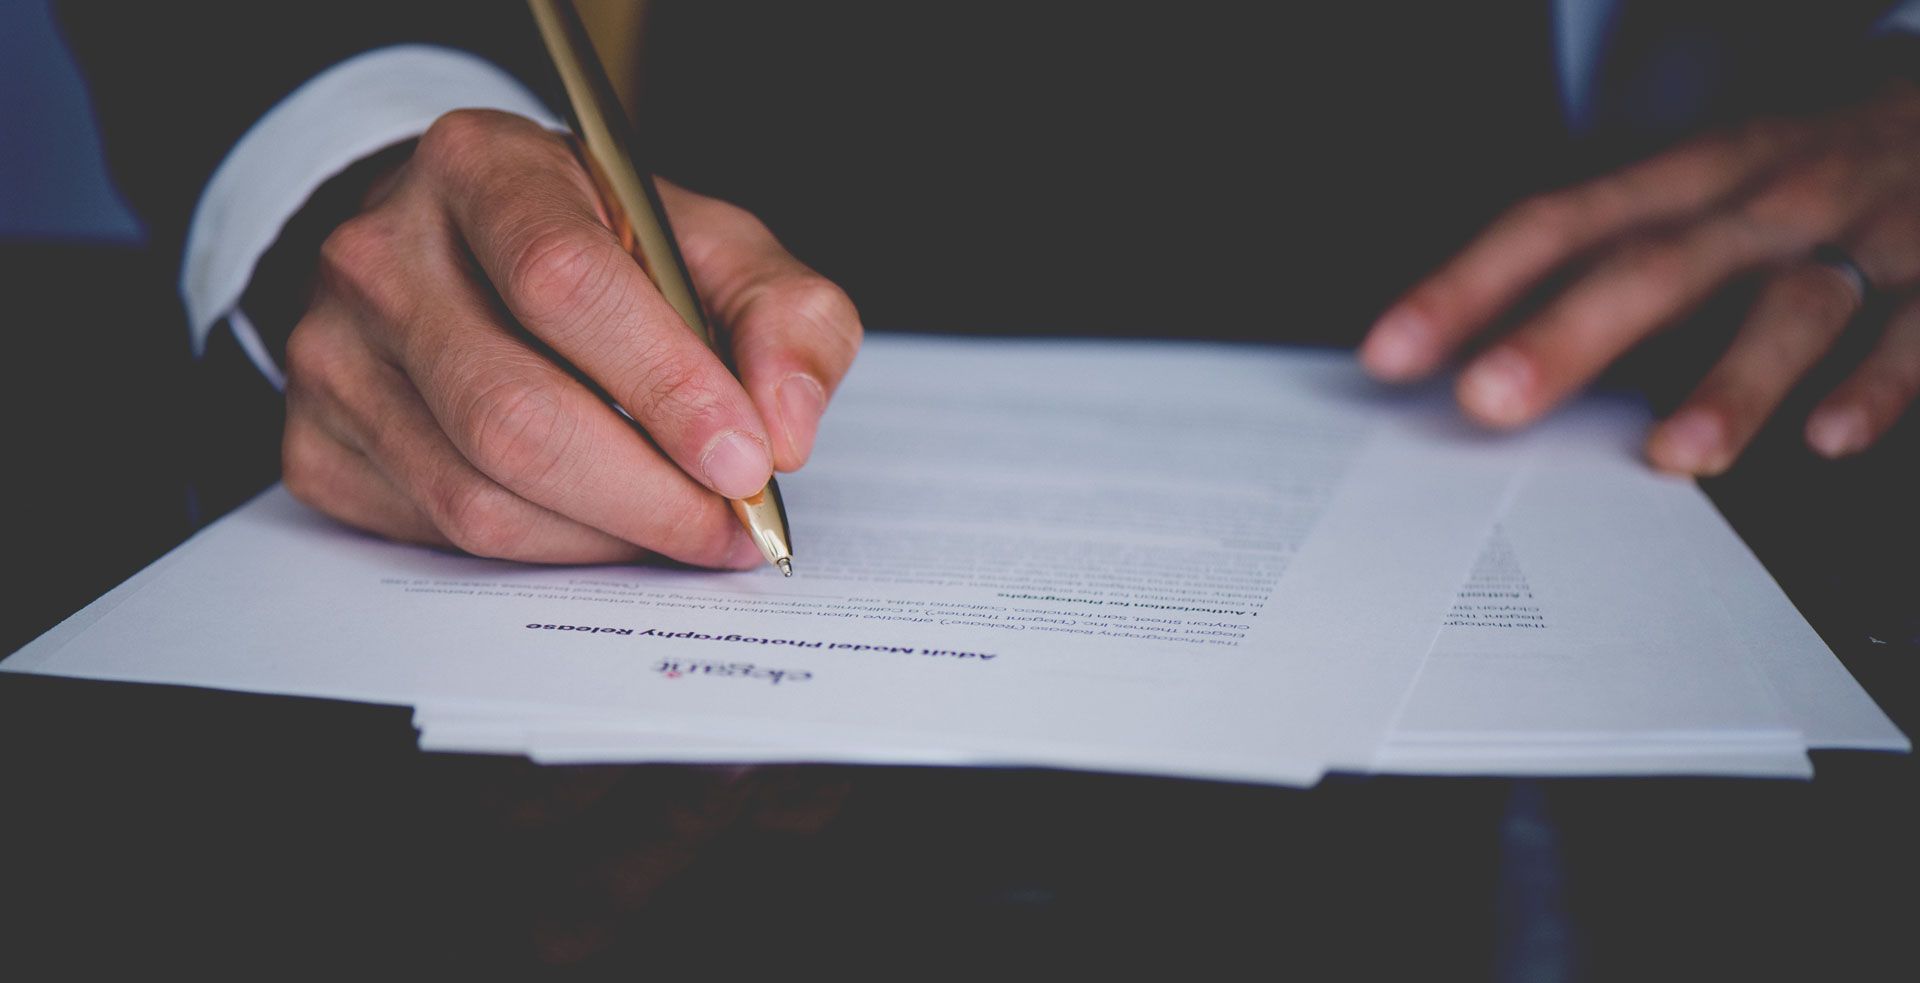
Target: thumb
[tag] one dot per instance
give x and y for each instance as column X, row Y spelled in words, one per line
column 793, row 333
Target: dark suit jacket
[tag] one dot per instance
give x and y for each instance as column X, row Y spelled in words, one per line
column 1193, row 169
column 1198, row 170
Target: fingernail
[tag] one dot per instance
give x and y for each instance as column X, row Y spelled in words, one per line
column 1496, row 387
column 802, row 401
column 1692, row 442
column 1838, row 432
column 737, row 465
column 1399, row 347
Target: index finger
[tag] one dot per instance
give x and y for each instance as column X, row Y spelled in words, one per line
column 1532, row 239
column 527, row 210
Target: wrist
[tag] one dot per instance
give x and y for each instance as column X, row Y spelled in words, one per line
column 282, row 284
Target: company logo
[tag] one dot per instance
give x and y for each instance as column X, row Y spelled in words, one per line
column 677, row 668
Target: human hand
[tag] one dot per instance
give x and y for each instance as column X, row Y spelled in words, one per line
column 427, row 400
column 1643, row 247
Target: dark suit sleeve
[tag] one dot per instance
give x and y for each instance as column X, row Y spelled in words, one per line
column 175, row 85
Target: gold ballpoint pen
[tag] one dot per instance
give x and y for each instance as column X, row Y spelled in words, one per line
column 633, row 205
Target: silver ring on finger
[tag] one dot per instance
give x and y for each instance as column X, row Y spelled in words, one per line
column 1842, row 262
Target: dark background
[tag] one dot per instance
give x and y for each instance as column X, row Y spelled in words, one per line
column 144, row 828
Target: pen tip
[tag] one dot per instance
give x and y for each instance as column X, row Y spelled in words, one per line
column 786, row 566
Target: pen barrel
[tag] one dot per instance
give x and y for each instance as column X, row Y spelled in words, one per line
column 609, row 152
column 605, row 142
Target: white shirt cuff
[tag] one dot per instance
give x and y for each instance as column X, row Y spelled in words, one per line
column 362, row 105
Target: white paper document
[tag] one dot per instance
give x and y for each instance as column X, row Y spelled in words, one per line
column 1585, row 621
column 1615, row 623
column 1592, row 637
column 1212, row 561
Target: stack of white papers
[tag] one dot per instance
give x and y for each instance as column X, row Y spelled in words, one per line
column 1210, row 561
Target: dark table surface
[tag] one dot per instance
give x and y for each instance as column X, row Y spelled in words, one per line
column 145, row 827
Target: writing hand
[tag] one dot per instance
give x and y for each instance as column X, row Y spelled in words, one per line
column 426, row 396
column 1643, row 247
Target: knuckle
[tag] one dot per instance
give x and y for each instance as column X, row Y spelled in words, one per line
column 316, row 360
column 482, row 518
column 362, row 259
column 1819, row 296
column 675, row 385
column 815, row 299
column 1552, row 218
column 307, row 353
column 557, row 272
column 458, row 134
column 1803, row 204
column 1605, row 202
column 821, row 305
column 518, row 431
column 358, row 244
column 1652, row 266
column 488, row 153
column 811, row 308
